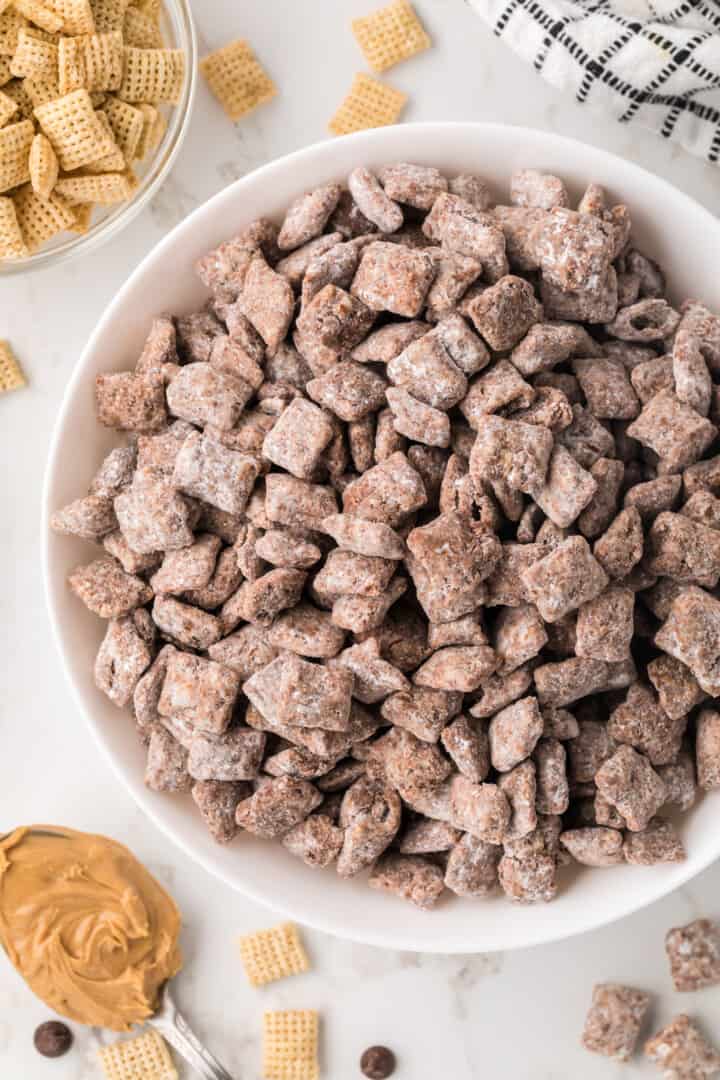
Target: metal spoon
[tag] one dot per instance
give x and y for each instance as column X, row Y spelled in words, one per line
column 173, row 1026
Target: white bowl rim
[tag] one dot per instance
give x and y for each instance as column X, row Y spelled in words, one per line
column 411, row 942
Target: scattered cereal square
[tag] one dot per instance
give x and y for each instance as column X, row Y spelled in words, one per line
column 694, row 955
column 145, row 1057
column 369, row 104
column 268, row 955
column 290, row 1045
column 237, row 79
column 390, row 34
column 11, row 375
column 613, row 1022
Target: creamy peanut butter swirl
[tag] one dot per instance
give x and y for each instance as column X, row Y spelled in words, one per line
column 89, row 929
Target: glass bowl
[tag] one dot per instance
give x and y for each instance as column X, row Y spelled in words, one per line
column 179, row 31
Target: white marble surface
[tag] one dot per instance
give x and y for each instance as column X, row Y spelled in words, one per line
column 514, row 1016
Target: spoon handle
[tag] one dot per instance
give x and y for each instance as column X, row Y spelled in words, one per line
column 173, row 1026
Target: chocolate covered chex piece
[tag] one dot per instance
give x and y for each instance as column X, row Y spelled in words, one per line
column 166, row 768
column 612, row 1026
column 409, row 876
column 370, row 815
column 657, row 843
column 677, row 434
column 236, row 755
column 209, row 471
column 691, row 633
column 629, row 782
column 564, row 579
column 315, row 840
column 121, row 660
column 277, row 806
column 130, row 402
column 200, row 691
column 681, row 1051
column 216, row 800
column 393, row 278
column 510, row 451
column 106, row 590
column 694, row 955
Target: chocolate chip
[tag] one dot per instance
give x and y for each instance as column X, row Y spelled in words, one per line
column 53, row 1039
column 377, row 1063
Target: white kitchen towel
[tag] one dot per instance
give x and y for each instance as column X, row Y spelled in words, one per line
column 650, row 62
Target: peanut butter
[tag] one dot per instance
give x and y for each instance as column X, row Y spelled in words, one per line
column 89, row 929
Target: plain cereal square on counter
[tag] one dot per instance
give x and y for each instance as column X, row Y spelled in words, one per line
column 410, row 548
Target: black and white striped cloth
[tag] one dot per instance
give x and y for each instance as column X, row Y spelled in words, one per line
column 652, row 62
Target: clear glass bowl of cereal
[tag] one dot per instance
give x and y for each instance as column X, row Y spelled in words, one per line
column 170, row 25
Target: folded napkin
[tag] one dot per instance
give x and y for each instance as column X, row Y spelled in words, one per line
column 652, row 62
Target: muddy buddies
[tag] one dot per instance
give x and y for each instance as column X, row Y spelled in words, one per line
column 410, row 553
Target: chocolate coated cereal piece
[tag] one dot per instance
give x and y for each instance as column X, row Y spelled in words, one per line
column 569, row 680
column 426, row 837
column 676, row 686
column 451, row 558
column 693, row 383
column 373, row 202
column 333, row 264
column 679, row 780
column 564, row 579
column 267, row 301
column 681, row 1052
column 236, row 755
column 605, row 625
column 551, row 343
column 106, row 590
column 629, row 782
column 297, row 503
column 166, row 768
column 315, row 840
column 413, row 185
column 199, row 691
column 510, row 451
column 393, row 278
column 658, row 843
column 410, row 877
column 600, row 511
column 298, row 439
column 426, row 370
column 613, row 1022
column 345, row 572
column 514, row 732
column 312, row 695
column 504, row 313
column 647, row 320
column 652, row 376
column 90, row 518
column 307, row 216
column 621, row 545
column 348, row 390
column 382, row 345
column 457, row 667
column 280, row 547
column 202, row 394
column 307, row 631
column 121, row 660
column 370, row 814
column 362, row 613
column 188, row 568
column 364, row 537
column 373, row 678
column 454, row 275
column 276, row 807
column 216, row 800
column 607, row 389
column 518, row 636
column 691, row 633
column 481, row 809
column 463, row 229
column 388, row 493
column 528, row 879
column 682, row 549
column 703, row 508
column 517, row 224
column 468, row 746
column 703, row 324
column 550, row 408
column 472, row 189
column 209, row 471
column 129, row 402
column 550, row 759
column 260, row 601
column 594, row 845
column 529, row 187
column 423, row 711
column 707, row 749
column 567, row 488
column 520, row 788
column 195, row 336
column 694, row 955
column 574, row 250
column 335, row 321
column 673, row 430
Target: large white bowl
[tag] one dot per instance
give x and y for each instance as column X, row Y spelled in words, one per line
column 667, row 224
